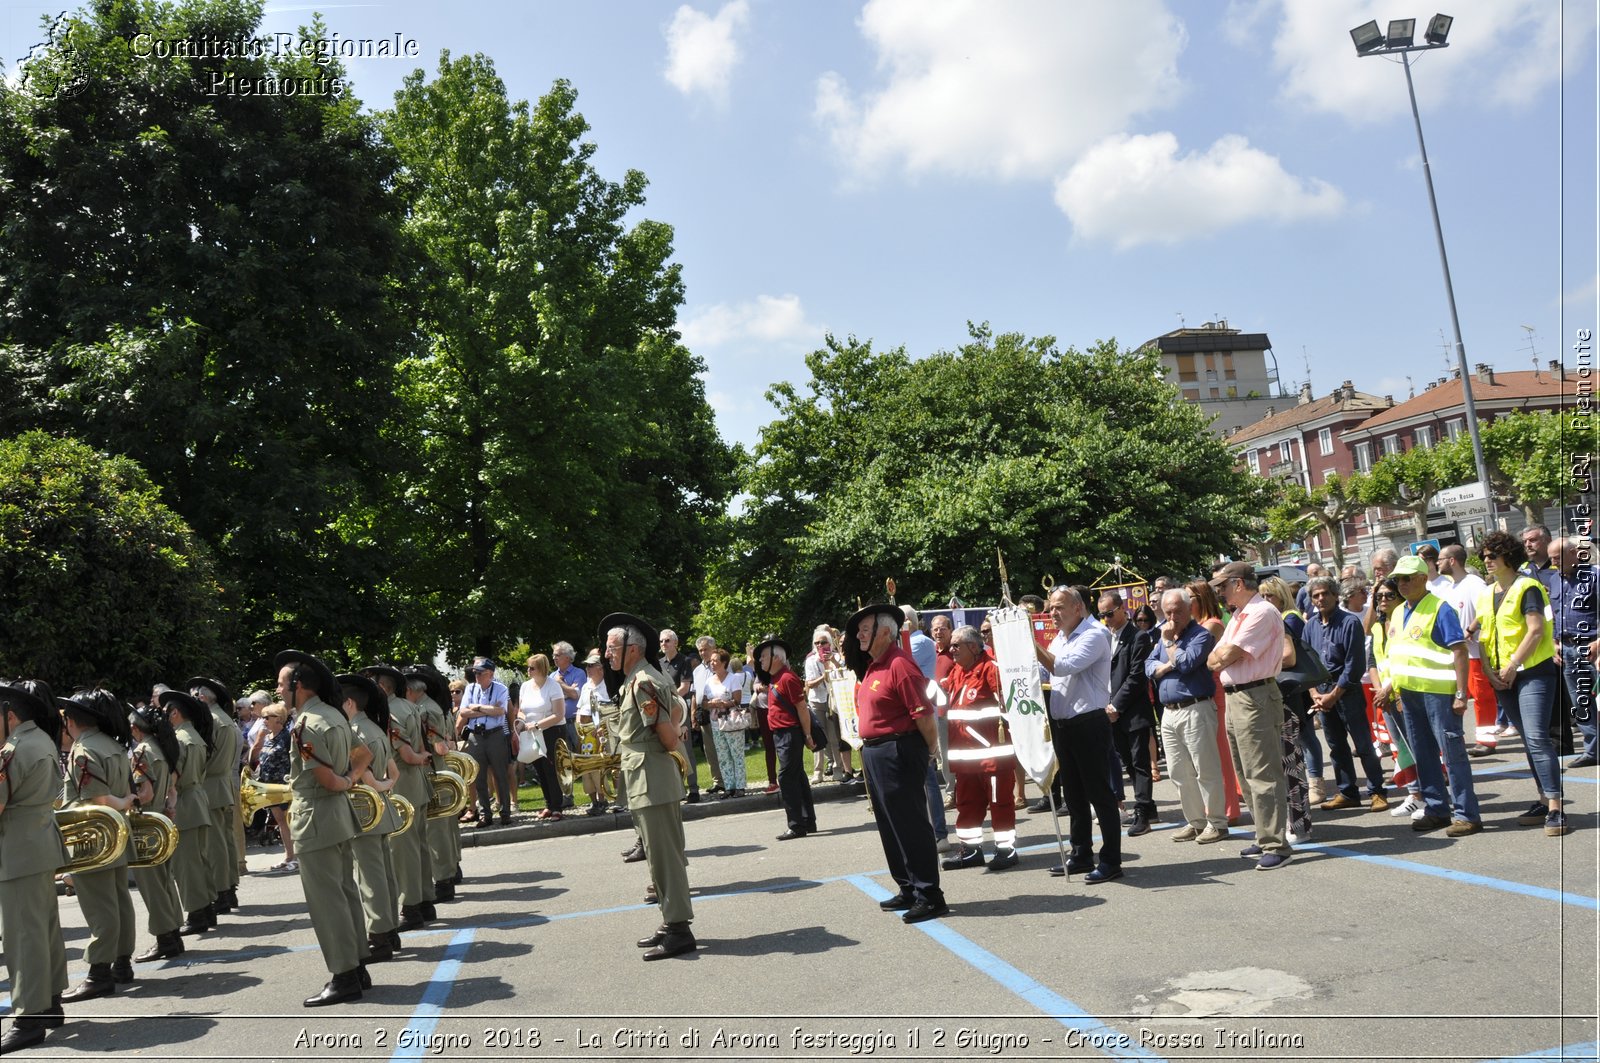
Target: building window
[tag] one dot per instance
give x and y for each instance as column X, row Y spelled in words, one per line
column 1456, row 427
column 1424, row 435
column 1211, row 376
column 1255, row 462
column 1286, row 451
column 1328, row 474
column 1325, row 441
column 1191, row 394
column 1363, row 457
column 1391, row 444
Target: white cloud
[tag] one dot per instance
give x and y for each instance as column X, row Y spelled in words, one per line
column 1010, row 90
column 1500, row 50
column 702, row 50
column 766, row 320
column 1132, row 190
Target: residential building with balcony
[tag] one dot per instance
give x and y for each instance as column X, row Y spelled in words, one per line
column 1223, row 371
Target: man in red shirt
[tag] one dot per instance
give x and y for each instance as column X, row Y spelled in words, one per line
column 980, row 756
column 790, row 721
column 898, row 743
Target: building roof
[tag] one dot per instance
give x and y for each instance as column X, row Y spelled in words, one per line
column 1212, row 336
column 1537, row 388
column 1343, row 402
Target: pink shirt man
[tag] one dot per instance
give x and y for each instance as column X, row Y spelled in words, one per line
column 1257, row 629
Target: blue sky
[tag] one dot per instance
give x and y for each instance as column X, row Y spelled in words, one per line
column 893, row 168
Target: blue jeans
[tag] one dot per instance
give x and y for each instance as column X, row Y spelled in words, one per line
column 935, row 789
column 1347, row 728
column 1578, row 672
column 1435, row 732
column 1529, row 704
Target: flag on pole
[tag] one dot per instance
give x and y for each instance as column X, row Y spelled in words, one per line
column 1022, row 693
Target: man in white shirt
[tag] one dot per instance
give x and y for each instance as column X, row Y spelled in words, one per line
column 1441, row 585
column 1462, row 592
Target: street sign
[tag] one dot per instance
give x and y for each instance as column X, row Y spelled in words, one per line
column 1464, row 504
column 1420, row 543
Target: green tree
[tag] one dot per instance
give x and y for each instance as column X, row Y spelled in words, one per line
column 920, row 469
column 1407, row 480
column 1529, row 456
column 103, row 583
column 565, row 459
column 196, row 274
column 1324, row 508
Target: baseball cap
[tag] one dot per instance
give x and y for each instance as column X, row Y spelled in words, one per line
column 1410, row 566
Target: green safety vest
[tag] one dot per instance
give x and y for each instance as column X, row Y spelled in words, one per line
column 1501, row 631
column 1416, row 661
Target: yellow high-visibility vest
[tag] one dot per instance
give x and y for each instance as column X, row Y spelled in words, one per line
column 1416, row 662
column 1502, row 630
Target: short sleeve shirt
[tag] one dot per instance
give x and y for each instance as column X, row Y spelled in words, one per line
column 892, row 695
column 1257, row 629
column 785, row 695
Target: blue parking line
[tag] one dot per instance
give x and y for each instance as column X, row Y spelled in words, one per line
column 411, row 1043
column 1577, row 900
column 1108, row 1039
column 1589, row 1050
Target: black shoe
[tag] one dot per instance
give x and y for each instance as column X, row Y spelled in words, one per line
column 597, row 808
column 962, row 858
column 692, row 799
column 898, row 903
column 1583, row 761
column 199, row 921
column 791, row 834
column 444, row 891
column 362, row 977
column 505, row 819
column 122, row 970
column 654, row 939
column 167, row 946
column 232, row 896
column 410, row 918
column 1002, row 859
column 1074, row 867
column 925, row 910
column 1041, row 805
column 634, row 855
column 429, row 912
column 458, row 878
column 675, row 942
column 100, row 983
column 51, row 1018
column 1102, row 874
column 380, row 949
column 342, row 988
column 220, row 903
column 21, row 1036
column 394, row 939
column 1138, row 826
column 717, row 789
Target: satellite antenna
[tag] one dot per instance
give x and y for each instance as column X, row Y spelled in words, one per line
column 1533, row 352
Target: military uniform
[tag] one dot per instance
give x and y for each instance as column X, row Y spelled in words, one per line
column 31, row 850
column 193, row 820
column 654, row 786
column 157, row 888
column 222, row 800
column 98, row 766
column 380, row 902
column 444, row 835
column 322, row 824
column 413, row 864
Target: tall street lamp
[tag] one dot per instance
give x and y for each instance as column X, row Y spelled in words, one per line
column 1400, row 40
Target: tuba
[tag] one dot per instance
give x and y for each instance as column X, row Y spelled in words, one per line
column 367, row 805
column 463, row 765
column 254, row 795
column 450, row 795
column 570, row 765
column 153, row 837
column 94, row 834
column 406, row 811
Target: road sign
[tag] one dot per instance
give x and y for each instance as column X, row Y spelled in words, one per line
column 1464, row 504
column 1420, row 543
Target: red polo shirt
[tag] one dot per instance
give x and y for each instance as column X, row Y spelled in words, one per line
column 891, row 695
column 781, row 710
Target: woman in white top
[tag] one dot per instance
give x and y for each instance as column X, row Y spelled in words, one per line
column 543, row 710
column 721, row 692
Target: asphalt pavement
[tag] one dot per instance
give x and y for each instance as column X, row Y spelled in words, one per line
column 1375, row 942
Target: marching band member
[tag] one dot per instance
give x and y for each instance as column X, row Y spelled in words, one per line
column 423, row 688
column 326, row 764
column 31, row 850
column 413, row 863
column 156, row 754
column 368, row 712
column 980, row 756
column 222, row 790
column 191, row 722
column 98, row 773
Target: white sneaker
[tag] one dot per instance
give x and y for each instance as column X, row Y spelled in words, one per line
column 1317, row 793
column 1418, row 814
column 1411, row 806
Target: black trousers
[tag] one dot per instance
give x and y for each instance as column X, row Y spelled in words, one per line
column 793, row 785
column 1084, row 750
column 492, row 751
column 1133, row 749
column 897, row 775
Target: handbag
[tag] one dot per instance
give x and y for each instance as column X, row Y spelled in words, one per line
column 530, row 746
column 1308, row 671
column 734, row 720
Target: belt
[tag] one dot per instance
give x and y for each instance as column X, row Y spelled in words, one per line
column 881, row 739
column 1184, row 704
column 1245, row 686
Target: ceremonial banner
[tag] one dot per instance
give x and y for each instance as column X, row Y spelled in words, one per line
column 842, row 688
column 1022, row 694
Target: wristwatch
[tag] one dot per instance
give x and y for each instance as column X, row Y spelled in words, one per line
column 1461, row 695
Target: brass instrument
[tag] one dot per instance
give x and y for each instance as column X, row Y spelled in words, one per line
column 463, row 765
column 368, row 806
column 406, row 811
column 450, row 795
column 153, row 837
column 95, row 835
column 255, row 795
column 569, row 766
column 683, row 764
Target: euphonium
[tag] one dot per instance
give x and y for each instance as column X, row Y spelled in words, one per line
column 450, row 795
column 463, row 765
column 368, row 806
column 406, row 811
column 153, row 837
column 95, row 835
column 568, row 766
column 255, row 795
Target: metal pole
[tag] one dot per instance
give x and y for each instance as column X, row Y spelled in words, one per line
column 1450, row 293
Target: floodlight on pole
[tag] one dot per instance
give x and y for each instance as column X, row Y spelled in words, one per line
column 1399, row 40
